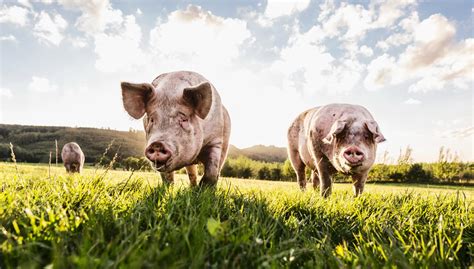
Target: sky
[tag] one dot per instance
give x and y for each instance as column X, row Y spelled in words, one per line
column 409, row 62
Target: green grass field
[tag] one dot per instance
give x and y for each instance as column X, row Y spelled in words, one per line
column 114, row 219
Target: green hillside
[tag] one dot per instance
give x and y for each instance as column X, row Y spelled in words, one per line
column 34, row 143
column 265, row 153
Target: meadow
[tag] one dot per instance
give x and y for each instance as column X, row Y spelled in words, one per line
column 105, row 218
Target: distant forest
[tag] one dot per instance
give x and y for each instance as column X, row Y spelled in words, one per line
column 33, row 144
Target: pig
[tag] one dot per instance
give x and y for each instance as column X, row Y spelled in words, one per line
column 333, row 138
column 73, row 157
column 185, row 124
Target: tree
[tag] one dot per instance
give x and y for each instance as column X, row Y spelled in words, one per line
column 263, row 173
column 276, row 173
column 288, row 171
column 227, row 170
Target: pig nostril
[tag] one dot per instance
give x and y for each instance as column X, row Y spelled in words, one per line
column 354, row 155
column 158, row 152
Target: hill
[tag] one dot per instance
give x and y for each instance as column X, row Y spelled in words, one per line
column 34, row 143
column 265, row 153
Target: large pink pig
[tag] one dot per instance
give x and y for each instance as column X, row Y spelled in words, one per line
column 185, row 124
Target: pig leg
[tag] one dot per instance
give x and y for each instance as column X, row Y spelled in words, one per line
column 167, row 178
column 75, row 168
column 315, row 179
column 211, row 162
column 324, row 168
column 192, row 174
column 359, row 183
column 299, row 167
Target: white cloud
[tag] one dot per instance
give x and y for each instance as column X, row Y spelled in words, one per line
column 433, row 37
column 121, row 50
column 139, row 12
column 297, row 68
column 434, row 61
column 350, row 23
column 412, row 101
column 406, row 36
column 209, row 39
column 459, row 62
column 381, row 72
column 459, row 133
column 410, row 23
column 11, row 38
column 78, row 42
column 427, row 84
column 14, row 14
column 395, row 40
column 278, row 8
column 263, row 21
column 50, row 29
column 366, row 51
column 355, row 20
column 25, row 3
column 41, row 85
column 4, row 92
column 438, row 61
column 96, row 15
column 390, row 11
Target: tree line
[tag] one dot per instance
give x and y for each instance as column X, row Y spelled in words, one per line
column 443, row 171
column 124, row 150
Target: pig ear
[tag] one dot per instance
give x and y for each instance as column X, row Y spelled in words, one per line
column 135, row 97
column 200, row 98
column 375, row 130
column 336, row 128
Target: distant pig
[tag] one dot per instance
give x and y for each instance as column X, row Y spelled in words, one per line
column 333, row 138
column 73, row 157
column 185, row 124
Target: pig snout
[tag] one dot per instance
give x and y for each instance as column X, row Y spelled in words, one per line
column 158, row 153
column 354, row 156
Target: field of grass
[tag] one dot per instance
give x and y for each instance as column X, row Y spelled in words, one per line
column 121, row 219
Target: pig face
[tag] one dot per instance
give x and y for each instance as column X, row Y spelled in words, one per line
column 172, row 120
column 354, row 144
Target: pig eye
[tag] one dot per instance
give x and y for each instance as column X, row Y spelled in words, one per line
column 184, row 121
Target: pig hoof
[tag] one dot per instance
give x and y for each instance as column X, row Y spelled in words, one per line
column 208, row 182
column 326, row 193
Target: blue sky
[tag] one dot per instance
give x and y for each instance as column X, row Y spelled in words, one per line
column 409, row 62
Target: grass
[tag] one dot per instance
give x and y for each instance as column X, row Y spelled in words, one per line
column 116, row 219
